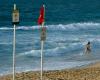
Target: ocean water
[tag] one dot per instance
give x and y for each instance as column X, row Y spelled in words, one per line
column 70, row 25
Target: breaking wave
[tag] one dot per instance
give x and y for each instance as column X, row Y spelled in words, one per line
column 47, row 52
column 57, row 51
column 72, row 26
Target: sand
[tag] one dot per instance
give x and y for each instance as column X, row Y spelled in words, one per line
column 92, row 72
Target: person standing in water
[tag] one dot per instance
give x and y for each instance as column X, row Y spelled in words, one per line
column 88, row 48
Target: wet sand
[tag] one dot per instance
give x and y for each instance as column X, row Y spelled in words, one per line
column 92, row 72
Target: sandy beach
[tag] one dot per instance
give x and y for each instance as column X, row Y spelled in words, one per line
column 90, row 72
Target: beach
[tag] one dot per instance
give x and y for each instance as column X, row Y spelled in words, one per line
column 70, row 25
column 90, row 72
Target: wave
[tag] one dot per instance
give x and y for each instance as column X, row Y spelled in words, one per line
column 57, row 51
column 72, row 26
column 36, row 53
column 5, row 43
column 75, row 26
column 60, row 48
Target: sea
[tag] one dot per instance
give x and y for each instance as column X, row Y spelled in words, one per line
column 70, row 24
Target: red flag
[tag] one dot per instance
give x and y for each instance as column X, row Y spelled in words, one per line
column 41, row 17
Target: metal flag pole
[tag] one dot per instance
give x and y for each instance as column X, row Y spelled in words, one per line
column 14, row 48
column 15, row 20
column 42, row 45
column 43, row 37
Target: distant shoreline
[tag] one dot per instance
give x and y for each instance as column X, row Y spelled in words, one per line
column 90, row 72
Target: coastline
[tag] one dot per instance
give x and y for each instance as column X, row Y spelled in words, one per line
column 89, row 72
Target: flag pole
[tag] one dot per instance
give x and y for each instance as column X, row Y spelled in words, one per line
column 14, row 46
column 14, row 50
column 15, row 20
column 42, row 48
column 42, row 45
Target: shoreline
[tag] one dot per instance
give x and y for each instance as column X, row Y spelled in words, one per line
column 89, row 72
column 55, row 69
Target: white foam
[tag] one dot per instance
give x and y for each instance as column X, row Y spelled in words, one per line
column 71, row 26
column 47, row 52
column 6, row 43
